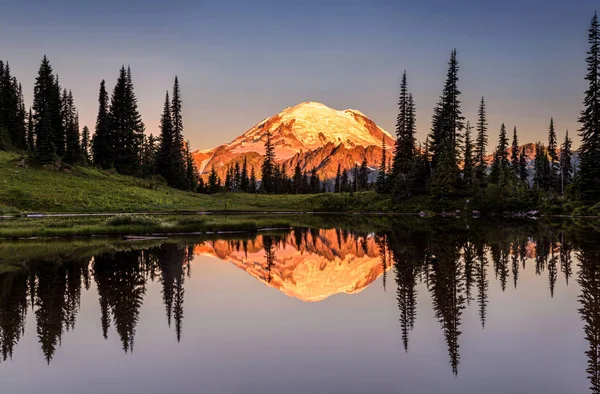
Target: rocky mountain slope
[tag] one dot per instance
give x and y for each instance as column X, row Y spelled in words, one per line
column 311, row 134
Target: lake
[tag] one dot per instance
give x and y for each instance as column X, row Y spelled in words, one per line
column 411, row 306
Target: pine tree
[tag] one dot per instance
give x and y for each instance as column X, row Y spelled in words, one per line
column 447, row 126
column 30, row 132
column 541, row 178
column 381, row 181
column 214, row 184
column 71, row 127
column 165, row 151
column 514, row 154
column 482, row 141
column 553, row 156
column 267, row 182
column 252, row 185
column 85, row 145
column 46, row 110
column 315, row 182
column 344, row 182
column 102, row 146
column 338, row 180
column 589, row 151
column 363, row 176
column 468, row 167
column 405, row 136
column 178, row 164
column 191, row 170
column 523, row 171
column 126, row 126
column 500, row 167
column 400, row 154
column 245, row 181
column 566, row 166
column 297, row 178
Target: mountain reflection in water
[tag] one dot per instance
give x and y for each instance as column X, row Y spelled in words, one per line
column 454, row 269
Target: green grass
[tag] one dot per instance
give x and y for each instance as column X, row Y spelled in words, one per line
column 86, row 189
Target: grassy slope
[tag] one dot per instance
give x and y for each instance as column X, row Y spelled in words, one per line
column 91, row 190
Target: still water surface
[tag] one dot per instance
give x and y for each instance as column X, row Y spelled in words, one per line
column 306, row 311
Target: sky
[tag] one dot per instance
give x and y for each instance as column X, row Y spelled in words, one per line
column 240, row 61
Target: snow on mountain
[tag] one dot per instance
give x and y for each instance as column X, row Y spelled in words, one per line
column 311, row 134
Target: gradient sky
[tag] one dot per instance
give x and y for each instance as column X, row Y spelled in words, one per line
column 241, row 61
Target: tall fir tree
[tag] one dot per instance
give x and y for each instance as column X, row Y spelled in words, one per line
column 482, row 141
column 126, row 126
column 553, row 156
column 102, row 146
column 381, row 181
column 514, row 153
column 245, row 181
column 338, row 180
column 30, row 132
column 405, row 137
column 566, row 165
column 71, row 127
column 46, row 110
column 85, row 145
column 191, row 170
column 500, row 167
column 541, row 179
column 469, row 164
column 165, row 151
column 589, row 150
column 252, row 186
column 268, row 167
column 363, row 176
column 523, row 170
column 178, row 165
column 446, row 136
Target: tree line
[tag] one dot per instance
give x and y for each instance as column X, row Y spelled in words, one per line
column 50, row 134
column 452, row 162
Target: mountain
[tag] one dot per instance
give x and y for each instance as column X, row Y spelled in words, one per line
column 310, row 266
column 311, row 134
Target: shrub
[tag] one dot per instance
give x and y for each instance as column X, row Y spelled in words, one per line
column 132, row 220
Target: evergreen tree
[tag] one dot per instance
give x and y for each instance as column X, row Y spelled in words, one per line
column 338, row 180
column 85, row 146
column 447, row 126
column 191, row 170
column 214, row 183
column 252, row 185
column 126, row 126
column 245, row 181
column 468, row 167
column 566, row 166
column 30, row 132
column 178, row 160
column 500, row 167
column 102, row 146
column 553, row 156
column 165, row 151
column 268, row 167
column 354, row 181
column 149, row 155
column 523, row 171
column 46, row 112
column 514, row 154
column 363, row 176
column 542, row 177
column 315, row 182
column 482, row 140
column 344, row 182
column 589, row 151
column 297, row 179
column 405, row 136
column 71, row 127
column 381, row 181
